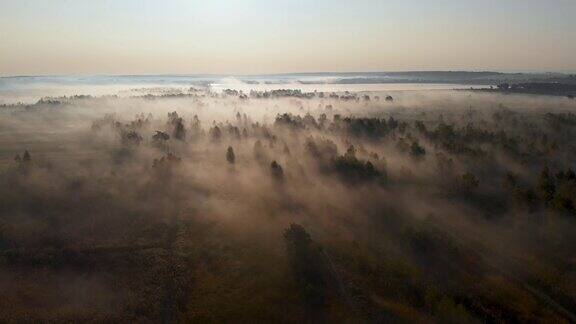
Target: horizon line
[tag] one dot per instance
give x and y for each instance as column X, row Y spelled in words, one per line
column 512, row 71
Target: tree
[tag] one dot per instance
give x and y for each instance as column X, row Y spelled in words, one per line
column 565, row 194
column 546, row 185
column 165, row 165
column 353, row 170
column 179, row 130
column 277, row 171
column 421, row 127
column 307, row 266
column 26, row 157
column 230, row 157
column 160, row 137
column 131, row 137
column 350, row 152
column 196, row 127
column 24, row 163
column 417, row 151
column 215, row 134
column 469, row 181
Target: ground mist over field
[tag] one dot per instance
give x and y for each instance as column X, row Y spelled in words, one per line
column 190, row 205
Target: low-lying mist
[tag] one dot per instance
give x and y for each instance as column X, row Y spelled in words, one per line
column 196, row 206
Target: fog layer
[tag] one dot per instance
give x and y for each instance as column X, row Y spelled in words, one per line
column 201, row 206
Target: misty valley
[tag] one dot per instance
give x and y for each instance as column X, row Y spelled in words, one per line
column 194, row 205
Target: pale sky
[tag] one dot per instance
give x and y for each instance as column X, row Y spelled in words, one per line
column 275, row 36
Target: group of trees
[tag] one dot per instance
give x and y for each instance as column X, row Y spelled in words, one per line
column 25, row 162
column 353, row 170
column 421, row 140
column 558, row 191
column 400, row 204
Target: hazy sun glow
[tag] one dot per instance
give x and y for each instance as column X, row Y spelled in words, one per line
column 257, row 36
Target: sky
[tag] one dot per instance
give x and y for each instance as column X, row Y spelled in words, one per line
column 39, row 37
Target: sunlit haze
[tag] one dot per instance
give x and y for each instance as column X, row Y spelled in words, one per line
column 345, row 161
column 257, row 36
